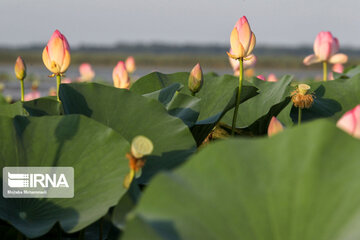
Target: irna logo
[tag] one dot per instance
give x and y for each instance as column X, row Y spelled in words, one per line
column 38, row 182
column 19, row 180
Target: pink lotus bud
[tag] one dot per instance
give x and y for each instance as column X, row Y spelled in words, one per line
column 56, row 54
column 33, row 95
column 350, row 122
column 130, row 64
column 86, row 72
column 262, row 77
column 196, row 79
column 20, row 69
column 242, row 39
column 275, row 127
column 272, row 78
column 338, row 68
column 120, row 76
column 325, row 49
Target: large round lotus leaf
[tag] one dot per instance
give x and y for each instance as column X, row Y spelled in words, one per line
column 217, row 96
column 96, row 152
column 12, row 110
column 302, row 184
column 178, row 104
column 132, row 115
column 272, row 98
column 331, row 100
column 43, row 106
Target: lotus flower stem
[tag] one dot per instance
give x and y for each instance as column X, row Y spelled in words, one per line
column 193, row 94
column 58, row 82
column 299, row 116
column 22, row 90
column 241, row 73
column 324, row 71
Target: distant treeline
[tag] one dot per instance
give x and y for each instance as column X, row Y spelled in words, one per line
column 157, row 48
column 174, row 55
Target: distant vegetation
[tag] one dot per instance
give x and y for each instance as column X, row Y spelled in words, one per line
column 175, row 55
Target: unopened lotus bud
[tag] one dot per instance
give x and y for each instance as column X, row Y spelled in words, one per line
column 301, row 98
column 56, row 54
column 130, row 64
column 350, row 122
column 141, row 146
column 275, row 127
column 196, row 79
column 120, row 76
column 20, row 69
column 242, row 39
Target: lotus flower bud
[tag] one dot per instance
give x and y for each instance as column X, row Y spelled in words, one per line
column 262, row 77
column 350, row 122
column 272, row 78
column 325, row 50
column 86, row 72
column 120, row 76
column 20, row 69
column 130, row 64
column 196, row 79
column 56, row 54
column 275, row 127
column 242, row 39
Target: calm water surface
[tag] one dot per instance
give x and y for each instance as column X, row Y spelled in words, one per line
column 104, row 73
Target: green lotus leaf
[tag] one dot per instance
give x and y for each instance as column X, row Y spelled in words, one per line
column 301, row 184
column 96, row 152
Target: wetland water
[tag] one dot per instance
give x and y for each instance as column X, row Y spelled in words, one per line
column 104, row 73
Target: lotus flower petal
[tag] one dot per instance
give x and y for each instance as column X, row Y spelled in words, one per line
column 338, row 58
column 274, row 127
column 311, row 59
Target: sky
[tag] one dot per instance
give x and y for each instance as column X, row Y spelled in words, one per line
column 107, row 22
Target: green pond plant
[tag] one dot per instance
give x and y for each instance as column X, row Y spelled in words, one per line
column 242, row 41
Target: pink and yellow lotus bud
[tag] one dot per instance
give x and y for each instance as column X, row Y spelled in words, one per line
column 130, row 64
column 325, row 49
column 272, row 78
column 20, row 69
column 274, row 127
column 242, row 39
column 56, row 54
column 196, row 79
column 120, row 76
column 350, row 122
column 261, row 77
column 86, row 72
